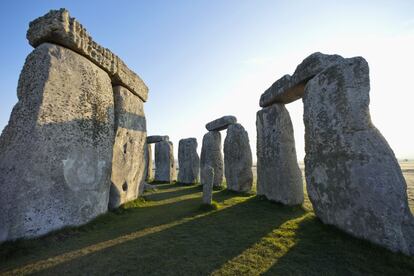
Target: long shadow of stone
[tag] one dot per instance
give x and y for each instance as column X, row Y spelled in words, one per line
column 172, row 194
column 196, row 247
column 105, row 227
column 325, row 250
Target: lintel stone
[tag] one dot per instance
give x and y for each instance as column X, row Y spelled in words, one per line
column 221, row 123
column 157, row 138
column 59, row 28
column 291, row 88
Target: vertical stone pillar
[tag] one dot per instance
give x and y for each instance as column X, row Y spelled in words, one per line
column 278, row 175
column 188, row 160
column 353, row 178
column 56, row 151
column 129, row 157
column 212, row 156
column 165, row 170
column 150, row 169
column 208, row 185
column 238, row 159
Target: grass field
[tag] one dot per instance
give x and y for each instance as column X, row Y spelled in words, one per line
column 167, row 233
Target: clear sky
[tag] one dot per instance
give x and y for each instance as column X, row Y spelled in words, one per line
column 205, row 59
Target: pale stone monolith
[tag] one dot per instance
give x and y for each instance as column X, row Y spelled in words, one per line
column 353, row 178
column 150, row 166
column 129, row 159
column 212, row 156
column 207, row 183
column 278, row 175
column 165, row 170
column 238, row 159
column 188, row 161
column 56, row 151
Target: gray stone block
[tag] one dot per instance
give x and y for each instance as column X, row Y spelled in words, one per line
column 278, row 175
column 188, row 160
column 353, row 178
column 56, row 151
column 129, row 158
column 238, row 159
column 165, row 170
column 211, row 156
column 221, row 123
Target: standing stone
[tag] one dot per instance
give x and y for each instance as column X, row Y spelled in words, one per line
column 150, row 169
column 188, row 160
column 238, row 159
column 278, row 175
column 211, row 156
column 354, row 180
column 56, row 151
column 165, row 170
column 129, row 156
column 208, row 185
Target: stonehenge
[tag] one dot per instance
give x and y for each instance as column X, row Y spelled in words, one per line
column 76, row 143
column 353, row 179
column 278, row 175
column 76, row 137
column 237, row 163
column 165, row 170
column 188, row 161
column 238, row 159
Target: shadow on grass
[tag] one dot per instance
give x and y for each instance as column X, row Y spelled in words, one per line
column 322, row 250
column 119, row 222
column 246, row 235
column 185, row 190
column 196, row 247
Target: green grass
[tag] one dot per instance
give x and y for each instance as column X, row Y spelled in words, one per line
column 168, row 232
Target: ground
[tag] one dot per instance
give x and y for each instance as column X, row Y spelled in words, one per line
column 167, row 233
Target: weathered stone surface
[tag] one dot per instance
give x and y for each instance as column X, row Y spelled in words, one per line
column 150, row 170
column 58, row 27
column 354, row 180
column 188, row 160
column 208, row 185
column 278, row 175
column 129, row 159
column 56, row 151
column 165, row 170
column 212, row 156
column 221, row 123
column 290, row 88
column 157, row 138
column 238, row 159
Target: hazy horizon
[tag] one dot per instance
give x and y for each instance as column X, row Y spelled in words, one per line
column 205, row 59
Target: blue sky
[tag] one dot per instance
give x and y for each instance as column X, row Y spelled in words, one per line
column 205, row 59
